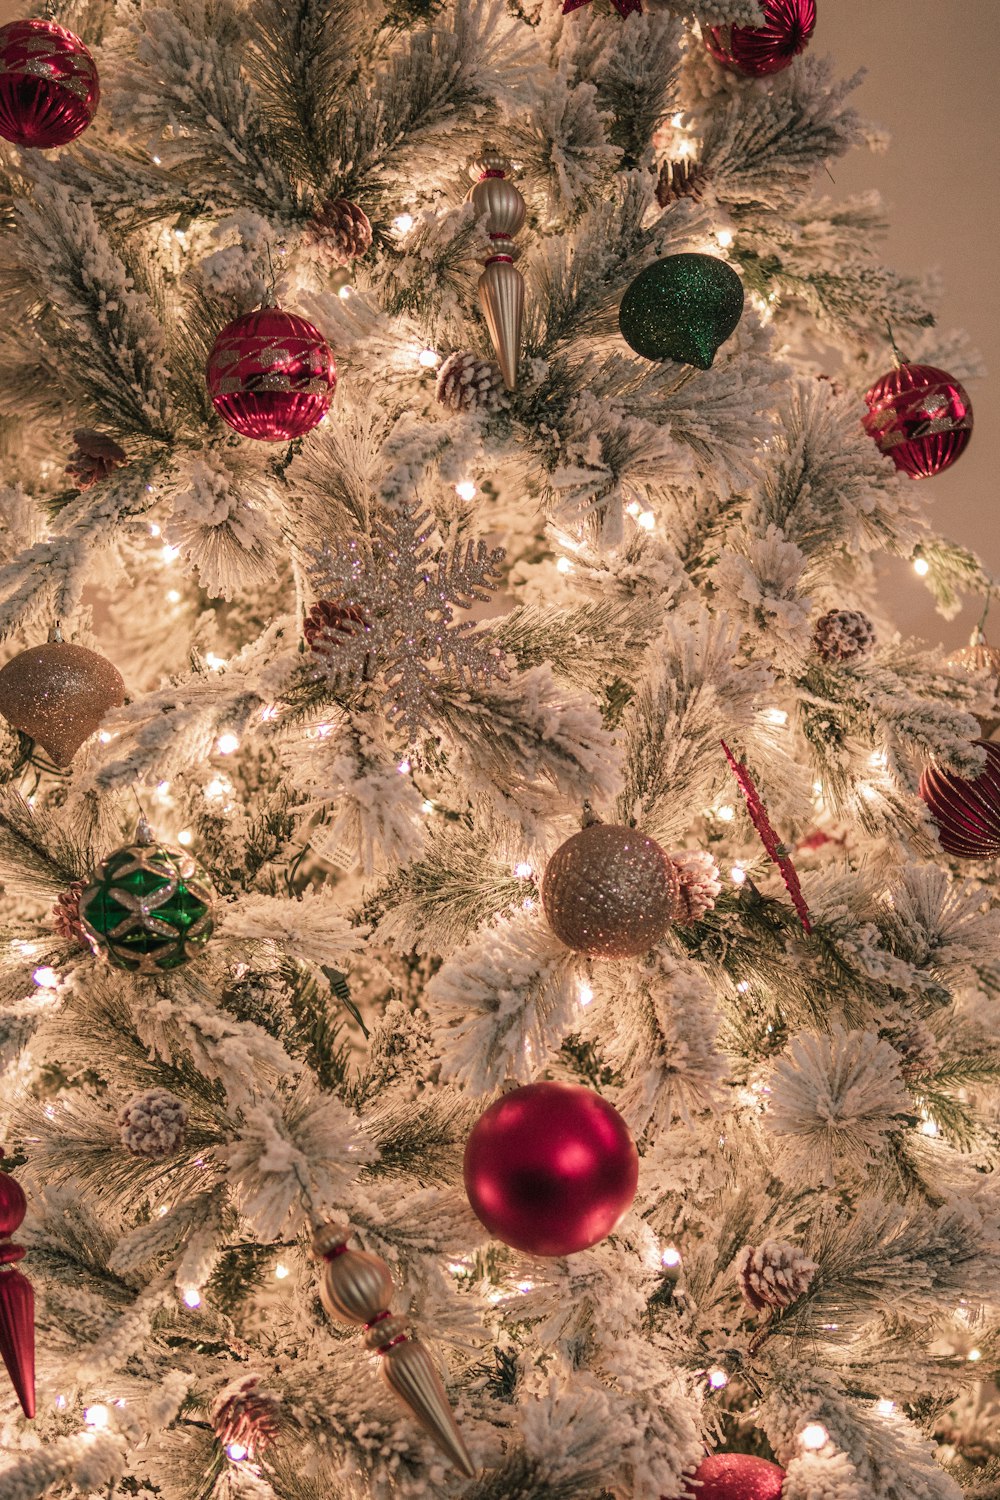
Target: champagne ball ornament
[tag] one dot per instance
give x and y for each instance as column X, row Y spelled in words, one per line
column 966, row 810
column 757, row 51
column 610, row 892
column 57, row 694
column 357, row 1288
column 920, row 417
column 682, row 307
column 980, row 659
column 147, row 907
column 271, row 375
column 49, row 90
column 735, row 1476
column 550, row 1168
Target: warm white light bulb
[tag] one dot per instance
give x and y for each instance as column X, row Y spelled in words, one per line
column 726, row 813
column 738, row 875
column 192, row 1297
column 586, row 993
column 523, row 870
column 563, row 565
column 646, row 520
column 345, row 292
column 46, row 978
column 403, row 222
column 814, row 1436
column 173, row 596
column 921, row 566
column 429, row 358
column 885, row 1408
column 185, row 837
column 227, row 743
column 670, row 1256
column 237, row 1452
column 465, row 490
column 96, row 1416
column 404, row 767
column 154, row 529
column 973, row 1355
column 718, row 1379
column 281, row 1271
column 170, row 554
column 724, row 237
column 427, row 805
column 776, row 716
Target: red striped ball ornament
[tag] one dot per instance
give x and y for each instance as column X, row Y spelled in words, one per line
column 966, row 810
column 757, row 51
column 271, row 375
column 920, row 417
column 49, row 89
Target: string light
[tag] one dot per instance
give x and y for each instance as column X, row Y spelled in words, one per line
column 738, row 875
column 217, row 788
column 465, row 489
column 281, row 1271
column 192, row 1297
column 345, row 292
column 677, row 121
column 523, row 870
column 973, row 1355
column 563, row 565
column 169, row 554
column 929, row 1127
column 46, row 978
column 921, row 566
column 404, row 767
column 427, row 805
column 813, row 1437
column 214, row 662
column 237, row 1452
column 646, row 520
column 227, row 743
column 428, row 358
column 885, row 1408
column 403, row 222
column 526, row 1286
column 586, row 993
column 97, row 1416
column 154, row 529
column 776, row 716
column 743, row 987
column 104, row 737
column 726, row 813
column 724, row 237
column 173, row 596
column 184, row 838
column 155, row 160
column 671, row 1257
column 718, row 1379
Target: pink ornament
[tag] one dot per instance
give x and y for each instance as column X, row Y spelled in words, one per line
column 17, row 1299
column 966, row 811
column 271, row 375
column 920, row 417
column 48, row 84
column 551, row 1168
column 757, row 51
column 736, row 1476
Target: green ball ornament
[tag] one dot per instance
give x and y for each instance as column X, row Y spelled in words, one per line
column 682, row 307
column 147, row 907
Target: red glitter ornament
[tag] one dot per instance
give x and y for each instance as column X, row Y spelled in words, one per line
column 17, row 1299
column 966, row 810
column 736, row 1476
column 48, row 84
column 920, row 417
column 757, row 51
column 550, row 1168
column 271, row 375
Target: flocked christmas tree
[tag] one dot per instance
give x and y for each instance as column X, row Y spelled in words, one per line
column 527, row 767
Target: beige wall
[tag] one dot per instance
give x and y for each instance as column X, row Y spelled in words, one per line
column 933, row 66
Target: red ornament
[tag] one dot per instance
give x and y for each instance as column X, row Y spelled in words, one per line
column 757, row 51
column 271, row 375
column 920, row 417
column 736, row 1476
column 48, row 84
column 550, row 1168
column 768, row 837
column 966, row 811
column 17, row 1299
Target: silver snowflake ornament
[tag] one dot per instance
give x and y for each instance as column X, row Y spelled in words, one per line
column 386, row 615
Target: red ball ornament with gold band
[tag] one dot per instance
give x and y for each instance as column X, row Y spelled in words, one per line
column 757, row 51
column 271, row 375
column 49, row 90
column 920, row 417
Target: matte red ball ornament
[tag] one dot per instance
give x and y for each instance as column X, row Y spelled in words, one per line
column 551, row 1168
column 966, row 810
column 271, row 375
column 48, row 84
column 757, row 51
column 920, row 417
column 736, row 1476
column 17, row 1299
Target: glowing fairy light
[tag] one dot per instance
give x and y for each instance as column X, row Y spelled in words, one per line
column 281, row 1271
column 214, row 662
column 974, row 1355
column 718, row 1379
column 921, row 566
column 403, row 223
column 185, row 837
column 173, row 596
column 227, row 743
column 97, row 1416
column 169, row 554
column 154, row 530
column 237, row 1452
column 345, row 292
column 633, row 508
column 677, row 121
column 428, row 358
column 776, row 716
column 738, row 875
column 928, row 1127
column 743, row 987
column 404, row 767
column 646, row 520
column 813, row 1437
column 192, row 1297
column 671, row 1257
column 427, row 805
column 523, row 870
column 46, row 978
column 726, row 813
column 586, row 993
column 724, row 238
column 885, row 1408
column 564, row 565
column 465, row 489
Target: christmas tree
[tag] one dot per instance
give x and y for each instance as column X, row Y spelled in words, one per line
column 489, row 900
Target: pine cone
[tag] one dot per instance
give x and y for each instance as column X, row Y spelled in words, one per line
column 774, row 1274
column 679, row 179
column 152, row 1124
column 95, row 458
column 343, row 231
column 843, row 635
column 66, row 914
column 467, row 383
column 699, row 884
column 247, row 1417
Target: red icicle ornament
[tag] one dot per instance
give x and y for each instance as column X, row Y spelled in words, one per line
column 17, row 1299
column 768, row 837
column 756, row 51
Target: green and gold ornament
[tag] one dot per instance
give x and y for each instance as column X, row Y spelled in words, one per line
column 147, row 907
column 682, row 307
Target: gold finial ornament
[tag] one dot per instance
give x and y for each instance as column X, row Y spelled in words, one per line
column 357, row 1288
column 501, row 286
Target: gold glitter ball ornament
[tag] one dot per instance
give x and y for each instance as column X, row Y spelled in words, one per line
column 58, row 694
column 610, row 892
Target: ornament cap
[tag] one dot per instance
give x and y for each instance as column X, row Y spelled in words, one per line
column 144, row 834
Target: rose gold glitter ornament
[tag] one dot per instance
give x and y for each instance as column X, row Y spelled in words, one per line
column 610, row 892
column 58, row 694
column 357, row 1288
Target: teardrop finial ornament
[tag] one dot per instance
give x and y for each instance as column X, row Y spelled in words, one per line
column 501, row 286
column 17, row 1298
column 357, row 1288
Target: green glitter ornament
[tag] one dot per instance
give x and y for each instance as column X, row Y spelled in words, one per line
column 147, row 907
column 682, row 307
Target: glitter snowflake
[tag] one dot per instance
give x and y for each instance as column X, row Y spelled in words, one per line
column 386, row 615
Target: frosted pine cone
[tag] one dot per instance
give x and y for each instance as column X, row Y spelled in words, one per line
column 247, row 1417
column 467, row 383
column 95, row 458
column 343, row 231
column 700, row 885
column 66, row 914
column 679, row 179
column 774, row 1274
column 843, row 635
column 152, row 1124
